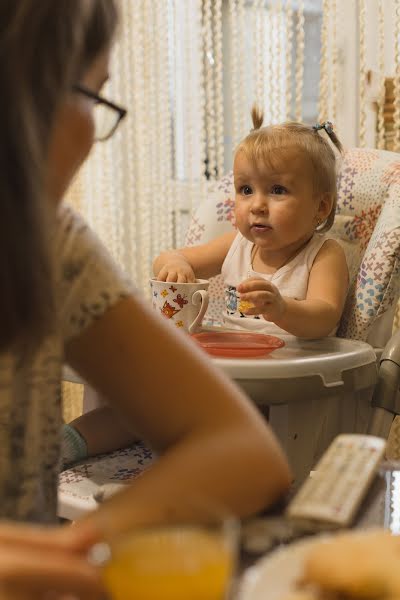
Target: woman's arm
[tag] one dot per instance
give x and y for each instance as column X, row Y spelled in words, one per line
column 212, row 441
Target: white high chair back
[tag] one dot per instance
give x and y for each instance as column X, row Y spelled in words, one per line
column 367, row 225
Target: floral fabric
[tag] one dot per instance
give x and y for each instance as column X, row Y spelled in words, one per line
column 80, row 484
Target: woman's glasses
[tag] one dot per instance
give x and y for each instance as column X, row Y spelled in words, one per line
column 107, row 115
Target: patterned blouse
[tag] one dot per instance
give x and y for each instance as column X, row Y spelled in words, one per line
column 88, row 283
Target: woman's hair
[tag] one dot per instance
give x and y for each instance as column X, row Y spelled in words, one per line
column 270, row 145
column 45, row 47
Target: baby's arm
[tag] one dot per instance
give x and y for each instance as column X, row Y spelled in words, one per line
column 320, row 312
column 187, row 264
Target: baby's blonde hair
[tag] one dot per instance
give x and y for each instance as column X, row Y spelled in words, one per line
column 267, row 145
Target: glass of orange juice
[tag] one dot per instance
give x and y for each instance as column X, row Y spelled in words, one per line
column 173, row 561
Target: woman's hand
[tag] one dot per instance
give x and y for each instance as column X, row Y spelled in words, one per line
column 177, row 269
column 261, row 297
column 38, row 563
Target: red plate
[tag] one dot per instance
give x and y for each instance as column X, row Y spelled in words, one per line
column 237, row 344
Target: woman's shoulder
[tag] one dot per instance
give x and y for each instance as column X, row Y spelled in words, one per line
column 88, row 280
column 72, row 233
column 75, row 241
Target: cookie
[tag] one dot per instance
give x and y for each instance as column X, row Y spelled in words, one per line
column 361, row 565
column 245, row 305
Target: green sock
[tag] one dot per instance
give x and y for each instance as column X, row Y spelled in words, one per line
column 73, row 446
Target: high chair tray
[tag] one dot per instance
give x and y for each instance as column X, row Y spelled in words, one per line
column 332, row 360
column 237, row 344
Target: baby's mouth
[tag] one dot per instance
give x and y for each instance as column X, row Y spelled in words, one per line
column 260, row 226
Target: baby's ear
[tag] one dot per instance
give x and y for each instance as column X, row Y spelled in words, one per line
column 325, row 205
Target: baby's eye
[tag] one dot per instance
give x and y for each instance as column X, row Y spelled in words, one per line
column 246, row 190
column 278, row 190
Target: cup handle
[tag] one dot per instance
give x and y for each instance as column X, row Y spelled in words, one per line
column 199, row 297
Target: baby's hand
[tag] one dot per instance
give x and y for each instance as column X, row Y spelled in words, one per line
column 260, row 297
column 177, row 270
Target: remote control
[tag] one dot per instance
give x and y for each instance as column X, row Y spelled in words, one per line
column 332, row 495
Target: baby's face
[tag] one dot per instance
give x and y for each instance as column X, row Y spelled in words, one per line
column 277, row 209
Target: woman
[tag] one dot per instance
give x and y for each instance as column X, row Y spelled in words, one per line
column 64, row 299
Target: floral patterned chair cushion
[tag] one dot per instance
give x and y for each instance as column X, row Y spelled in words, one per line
column 367, row 225
column 80, row 485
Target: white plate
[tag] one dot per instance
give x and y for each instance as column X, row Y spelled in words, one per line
column 274, row 576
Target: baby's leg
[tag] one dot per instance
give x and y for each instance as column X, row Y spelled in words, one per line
column 98, row 431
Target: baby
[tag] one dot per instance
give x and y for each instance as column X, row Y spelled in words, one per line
column 282, row 273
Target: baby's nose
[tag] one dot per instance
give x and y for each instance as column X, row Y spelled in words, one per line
column 259, row 204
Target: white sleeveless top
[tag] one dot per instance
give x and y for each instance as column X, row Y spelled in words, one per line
column 291, row 280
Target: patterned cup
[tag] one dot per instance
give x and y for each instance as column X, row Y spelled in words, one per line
column 184, row 304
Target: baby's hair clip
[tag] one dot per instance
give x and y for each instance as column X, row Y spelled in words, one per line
column 327, row 125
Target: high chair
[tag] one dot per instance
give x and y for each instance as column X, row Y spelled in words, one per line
column 367, row 225
column 309, row 404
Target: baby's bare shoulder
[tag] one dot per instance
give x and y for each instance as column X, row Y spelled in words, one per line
column 330, row 250
column 332, row 245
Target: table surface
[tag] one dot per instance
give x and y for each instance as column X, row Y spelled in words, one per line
column 378, row 509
